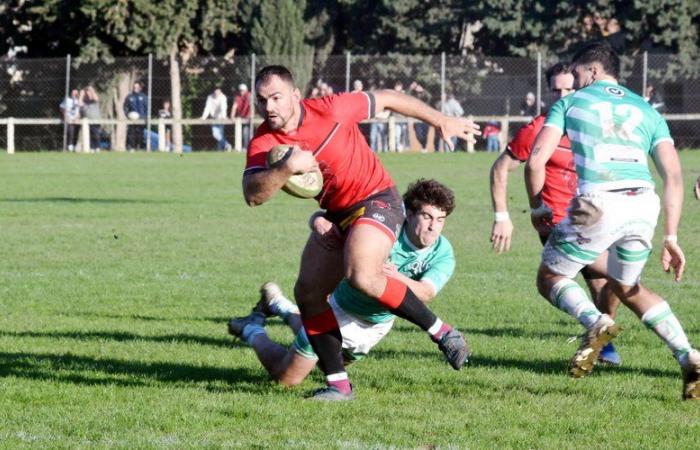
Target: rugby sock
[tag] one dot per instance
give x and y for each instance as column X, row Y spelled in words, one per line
column 282, row 307
column 661, row 319
column 339, row 381
column 324, row 336
column 251, row 331
column 402, row 302
column 568, row 296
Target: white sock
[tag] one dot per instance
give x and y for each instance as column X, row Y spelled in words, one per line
column 281, row 306
column 661, row 319
column 251, row 331
column 568, row 296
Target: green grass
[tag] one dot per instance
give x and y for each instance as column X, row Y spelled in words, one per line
column 118, row 273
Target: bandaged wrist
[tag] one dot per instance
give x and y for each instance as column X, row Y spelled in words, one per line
column 671, row 238
column 501, row 216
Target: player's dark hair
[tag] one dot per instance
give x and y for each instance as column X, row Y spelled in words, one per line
column 429, row 192
column 557, row 69
column 268, row 72
column 602, row 53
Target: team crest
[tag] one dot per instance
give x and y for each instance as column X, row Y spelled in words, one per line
column 616, row 91
column 379, row 217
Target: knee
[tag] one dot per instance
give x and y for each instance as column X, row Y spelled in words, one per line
column 365, row 280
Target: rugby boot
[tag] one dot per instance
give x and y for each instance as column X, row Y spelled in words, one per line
column 455, row 348
column 608, row 355
column 268, row 293
column 596, row 337
column 237, row 324
column 691, row 376
column 331, row 394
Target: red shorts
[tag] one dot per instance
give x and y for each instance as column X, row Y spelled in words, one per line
column 383, row 210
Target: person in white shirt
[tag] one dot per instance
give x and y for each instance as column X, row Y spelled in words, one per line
column 217, row 108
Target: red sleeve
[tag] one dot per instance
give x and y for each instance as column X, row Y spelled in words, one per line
column 351, row 107
column 259, row 146
column 521, row 145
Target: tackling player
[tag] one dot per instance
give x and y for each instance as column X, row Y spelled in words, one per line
column 421, row 257
column 361, row 203
column 612, row 132
column 559, row 188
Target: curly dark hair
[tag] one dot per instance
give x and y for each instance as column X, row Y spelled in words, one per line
column 429, row 192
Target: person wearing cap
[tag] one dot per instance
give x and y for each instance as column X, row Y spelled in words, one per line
column 241, row 108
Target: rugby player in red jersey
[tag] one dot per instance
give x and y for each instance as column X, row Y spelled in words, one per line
column 559, row 189
column 361, row 202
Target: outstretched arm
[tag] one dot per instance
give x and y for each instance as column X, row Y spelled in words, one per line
column 447, row 126
column 502, row 228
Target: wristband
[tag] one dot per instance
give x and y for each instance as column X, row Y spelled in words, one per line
column 501, row 216
column 671, row 238
column 313, row 218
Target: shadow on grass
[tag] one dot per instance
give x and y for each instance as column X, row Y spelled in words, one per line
column 221, row 320
column 121, row 336
column 82, row 200
column 102, row 371
column 405, row 327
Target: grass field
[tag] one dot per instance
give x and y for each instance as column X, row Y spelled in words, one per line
column 118, row 273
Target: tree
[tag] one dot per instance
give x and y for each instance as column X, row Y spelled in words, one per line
column 278, row 32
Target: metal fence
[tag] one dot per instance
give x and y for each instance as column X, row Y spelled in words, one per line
column 488, row 88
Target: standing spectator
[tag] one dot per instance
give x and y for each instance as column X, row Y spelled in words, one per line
column 450, row 108
column 421, row 128
column 696, row 189
column 216, row 108
column 378, row 138
column 241, row 108
column 492, row 133
column 529, row 106
column 70, row 107
column 90, row 107
column 166, row 113
column 654, row 99
column 615, row 37
column 135, row 108
column 357, row 86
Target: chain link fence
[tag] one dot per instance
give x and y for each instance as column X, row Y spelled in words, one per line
column 490, row 89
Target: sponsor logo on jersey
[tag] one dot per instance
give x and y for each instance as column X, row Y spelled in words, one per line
column 379, row 217
column 616, row 91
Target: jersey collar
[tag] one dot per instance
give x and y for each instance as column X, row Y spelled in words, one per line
column 404, row 239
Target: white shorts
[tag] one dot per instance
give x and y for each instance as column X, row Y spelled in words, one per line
column 598, row 221
column 359, row 336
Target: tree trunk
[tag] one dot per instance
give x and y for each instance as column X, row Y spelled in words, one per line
column 122, row 89
column 176, row 100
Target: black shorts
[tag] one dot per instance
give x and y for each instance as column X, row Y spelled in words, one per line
column 383, row 210
column 586, row 273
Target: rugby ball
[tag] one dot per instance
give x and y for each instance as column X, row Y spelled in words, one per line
column 133, row 115
column 303, row 185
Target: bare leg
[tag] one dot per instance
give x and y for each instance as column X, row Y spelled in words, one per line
column 284, row 365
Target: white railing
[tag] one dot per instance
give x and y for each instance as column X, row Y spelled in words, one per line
column 11, row 123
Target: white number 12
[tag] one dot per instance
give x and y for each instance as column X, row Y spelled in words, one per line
column 626, row 130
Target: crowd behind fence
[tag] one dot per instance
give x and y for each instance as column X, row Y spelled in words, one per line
column 502, row 92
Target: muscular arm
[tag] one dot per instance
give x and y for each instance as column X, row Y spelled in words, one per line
column 502, row 229
column 542, row 150
column 669, row 167
column 424, row 290
column 409, row 106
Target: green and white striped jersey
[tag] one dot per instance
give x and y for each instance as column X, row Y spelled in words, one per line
column 612, row 131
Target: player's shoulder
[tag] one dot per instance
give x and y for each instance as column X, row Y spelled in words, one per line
column 443, row 248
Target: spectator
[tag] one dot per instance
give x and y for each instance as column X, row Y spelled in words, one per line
column 696, row 189
column 421, row 128
column 216, row 108
column 357, row 86
column 451, row 108
column 165, row 112
column 615, row 37
column 90, row 107
column 602, row 24
column 241, row 109
column 654, row 99
column 315, row 92
column 378, row 139
column 589, row 31
column 135, row 108
column 70, row 108
column 492, row 133
column 529, row 106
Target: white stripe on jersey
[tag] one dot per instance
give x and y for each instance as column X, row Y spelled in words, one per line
column 581, row 138
column 583, row 115
column 584, row 96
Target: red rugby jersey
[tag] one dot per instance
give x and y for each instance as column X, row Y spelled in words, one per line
column 560, row 172
column 329, row 127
